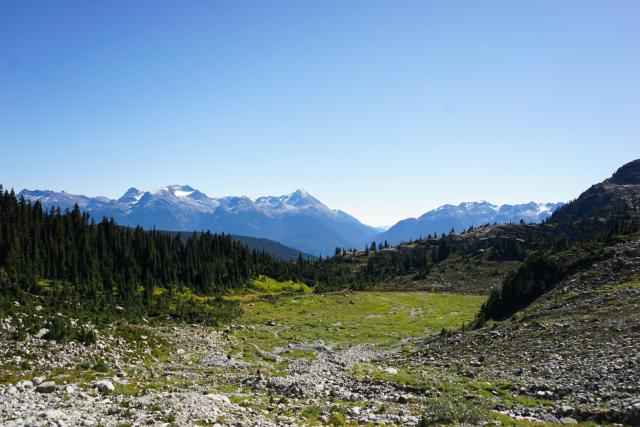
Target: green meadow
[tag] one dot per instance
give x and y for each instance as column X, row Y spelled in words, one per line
column 342, row 319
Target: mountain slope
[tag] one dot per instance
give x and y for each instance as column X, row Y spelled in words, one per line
column 464, row 215
column 617, row 196
column 575, row 345
column 273, row 248
column 298, row 220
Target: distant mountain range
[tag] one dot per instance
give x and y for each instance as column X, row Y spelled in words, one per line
column 464, row 215
column 297, row 220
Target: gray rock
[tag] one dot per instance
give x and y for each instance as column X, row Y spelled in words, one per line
column 42, row 332
column 406, row 398
column 355, row 411
column 24, row 385
column 46, row 387
column 104, row 386
column 566, row 409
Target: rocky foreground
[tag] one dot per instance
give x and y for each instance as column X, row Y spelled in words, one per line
column 192, row 386
column 570, row 357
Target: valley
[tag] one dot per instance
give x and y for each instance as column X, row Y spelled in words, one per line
column 347, row 358
column 319, row 213
column 506, row 324
column 292, row 357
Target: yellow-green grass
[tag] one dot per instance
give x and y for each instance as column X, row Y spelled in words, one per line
column 615, row 287
column 267, row 285
column 353, row 318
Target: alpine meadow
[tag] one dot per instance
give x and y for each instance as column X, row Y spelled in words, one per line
column 461, row 247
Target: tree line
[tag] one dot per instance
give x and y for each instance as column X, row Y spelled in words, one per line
column 101, row 263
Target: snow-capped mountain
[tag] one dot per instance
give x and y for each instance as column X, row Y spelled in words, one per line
column 464, row 215
column 298, row 219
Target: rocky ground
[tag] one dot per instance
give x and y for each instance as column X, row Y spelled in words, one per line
column 570, row 357
column 578, row 347
column 195, row 383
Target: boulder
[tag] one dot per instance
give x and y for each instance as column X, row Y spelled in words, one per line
column 46, row 387
column 24, row 385
column 355, row 411
column 406, row 398
column 104, row 386
column 42, row 332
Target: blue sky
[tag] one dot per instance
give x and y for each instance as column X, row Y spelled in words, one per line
column 382, row 109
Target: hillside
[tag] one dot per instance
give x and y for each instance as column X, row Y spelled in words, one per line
column 273, row 248
column 575, row 346
column 616, row 197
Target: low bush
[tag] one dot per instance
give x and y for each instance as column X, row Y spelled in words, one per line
column 61, row 329
column 452, row 411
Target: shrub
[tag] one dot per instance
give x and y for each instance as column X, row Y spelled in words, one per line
column 86, row 336
column 60, row 329
column 100, row 366
column 190, row 310
column 452, row 411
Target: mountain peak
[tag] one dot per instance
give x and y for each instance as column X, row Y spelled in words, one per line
column 176, row 190
column 300, row 198
column 299, row 194
column 628, row 174
column 132, row 195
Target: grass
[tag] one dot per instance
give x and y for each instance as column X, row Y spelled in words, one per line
column 131, row 389
column 449, row 385
column 446, row 411
column 409, row 378
column 352, row 318
column 267, row 285
column 615, row 287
